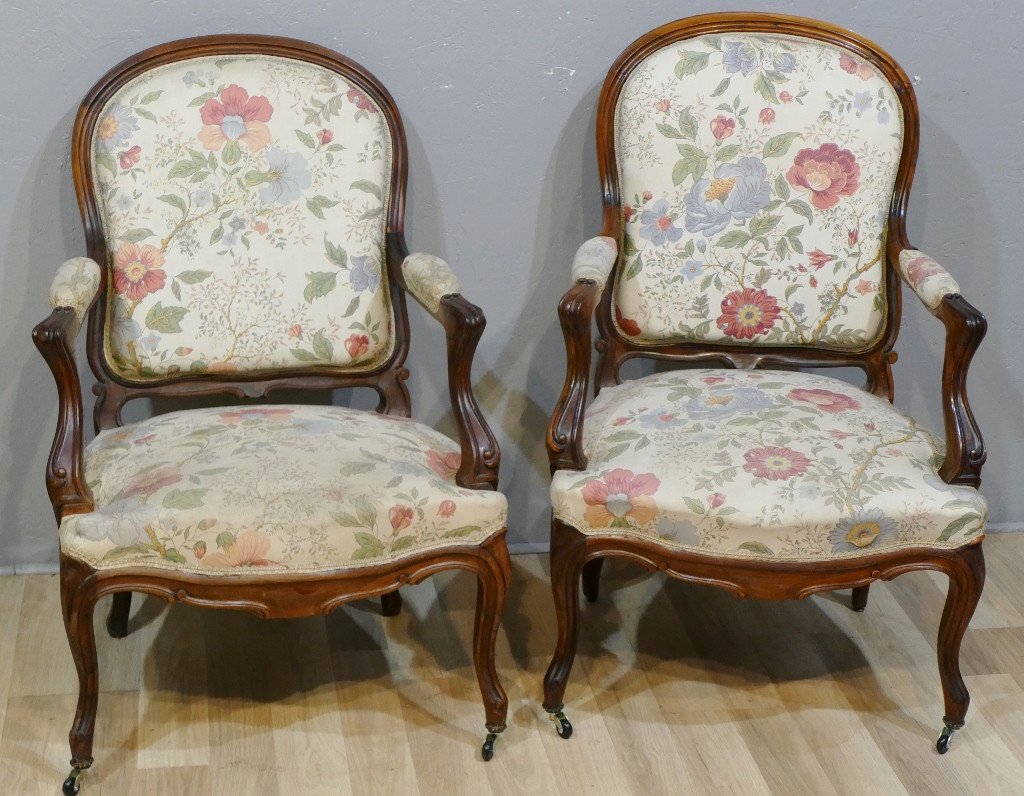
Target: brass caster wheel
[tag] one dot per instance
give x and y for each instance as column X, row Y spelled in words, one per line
column 562, row 725
column 942, row 745
column 487, row 750
column 73, row 783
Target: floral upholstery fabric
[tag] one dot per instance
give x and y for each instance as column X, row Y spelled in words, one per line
column 243, row 199
column 429, row 279
column 274, row 489
column 594, row 260
column 765, row 464
column 756, row 173
column 75, row 284
column 929, row 280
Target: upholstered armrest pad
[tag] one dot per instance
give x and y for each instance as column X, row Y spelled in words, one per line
column 594, row 260
column 429, row 279
column 926, row 277
column 75, row 284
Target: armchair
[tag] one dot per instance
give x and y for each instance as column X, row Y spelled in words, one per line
column 243, row 201
column 755, row 171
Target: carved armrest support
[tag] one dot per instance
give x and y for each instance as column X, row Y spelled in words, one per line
column 431, row 281
column 965, row 329
column 591, row 267
column 965, row 448
column 463, row 324
column 72, row 293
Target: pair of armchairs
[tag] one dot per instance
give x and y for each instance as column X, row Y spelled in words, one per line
column 245, row 197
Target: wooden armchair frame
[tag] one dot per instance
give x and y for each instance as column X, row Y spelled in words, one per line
column 577, row 557
column 273, row 596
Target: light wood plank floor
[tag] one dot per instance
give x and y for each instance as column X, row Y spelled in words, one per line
column 677, row 689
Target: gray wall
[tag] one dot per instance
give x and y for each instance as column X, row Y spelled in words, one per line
column 499, row 101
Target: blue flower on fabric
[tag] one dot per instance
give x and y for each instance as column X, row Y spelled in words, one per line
column 658, row 225
column 692, row 269
column 115, row 127
column 735, row 193
column 287, row 177
column 863, row 529
column 719, row 404
column 739, row 57
column 364, row 274
column 785, row 63
column 862, row 101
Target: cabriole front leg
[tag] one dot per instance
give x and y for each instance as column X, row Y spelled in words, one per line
column 78, row 599
column 568, row 549
column 493, row 577
column 966, row 580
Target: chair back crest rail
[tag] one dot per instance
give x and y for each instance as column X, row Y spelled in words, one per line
column 323, row 364
column 872, row 352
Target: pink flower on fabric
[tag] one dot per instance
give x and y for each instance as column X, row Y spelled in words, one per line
column 137, row 271
column 715, row 500
column 129, row 157
column 722, row 127
column 356, row 345
column 235, row 116
column 747, row 313
column 445, row 465
column 360, row 100
column 786, row 97
column 663, row 105
column 767, row 116
column 828, row 173
column 620, row 498
column 249, row 550
column 775, row 463
column 146, row 484
column 825, row 400
column 819, row 258
column 446, row 509
column 861, row 70
column 325, row 137
column 400, row 516
column 256, row 413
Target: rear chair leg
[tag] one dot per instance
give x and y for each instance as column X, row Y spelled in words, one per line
column 117, row 619
column 860, row 597
column 391, row 603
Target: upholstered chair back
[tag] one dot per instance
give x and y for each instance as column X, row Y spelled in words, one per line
column 243, row 201
column 756, row 173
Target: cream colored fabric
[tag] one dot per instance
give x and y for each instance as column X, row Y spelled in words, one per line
column 756, row 176
column 429, row 278
column 594, row 260
column 766, row 464
column 265, row 489
column 929, row 280
column 75, row 285
column 243, row 200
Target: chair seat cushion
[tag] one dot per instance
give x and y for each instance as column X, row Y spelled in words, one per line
column 264, row 489
column 773, row 464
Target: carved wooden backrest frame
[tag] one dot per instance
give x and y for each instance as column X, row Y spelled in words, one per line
column 876, row 361
column 112, row 390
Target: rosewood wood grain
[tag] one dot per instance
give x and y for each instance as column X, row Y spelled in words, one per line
column 280, row 596
column 577, row 557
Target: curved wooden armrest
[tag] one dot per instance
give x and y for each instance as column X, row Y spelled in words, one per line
column 965, row 448
column 65, row 469
column 565, row 432
column 463, row 324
